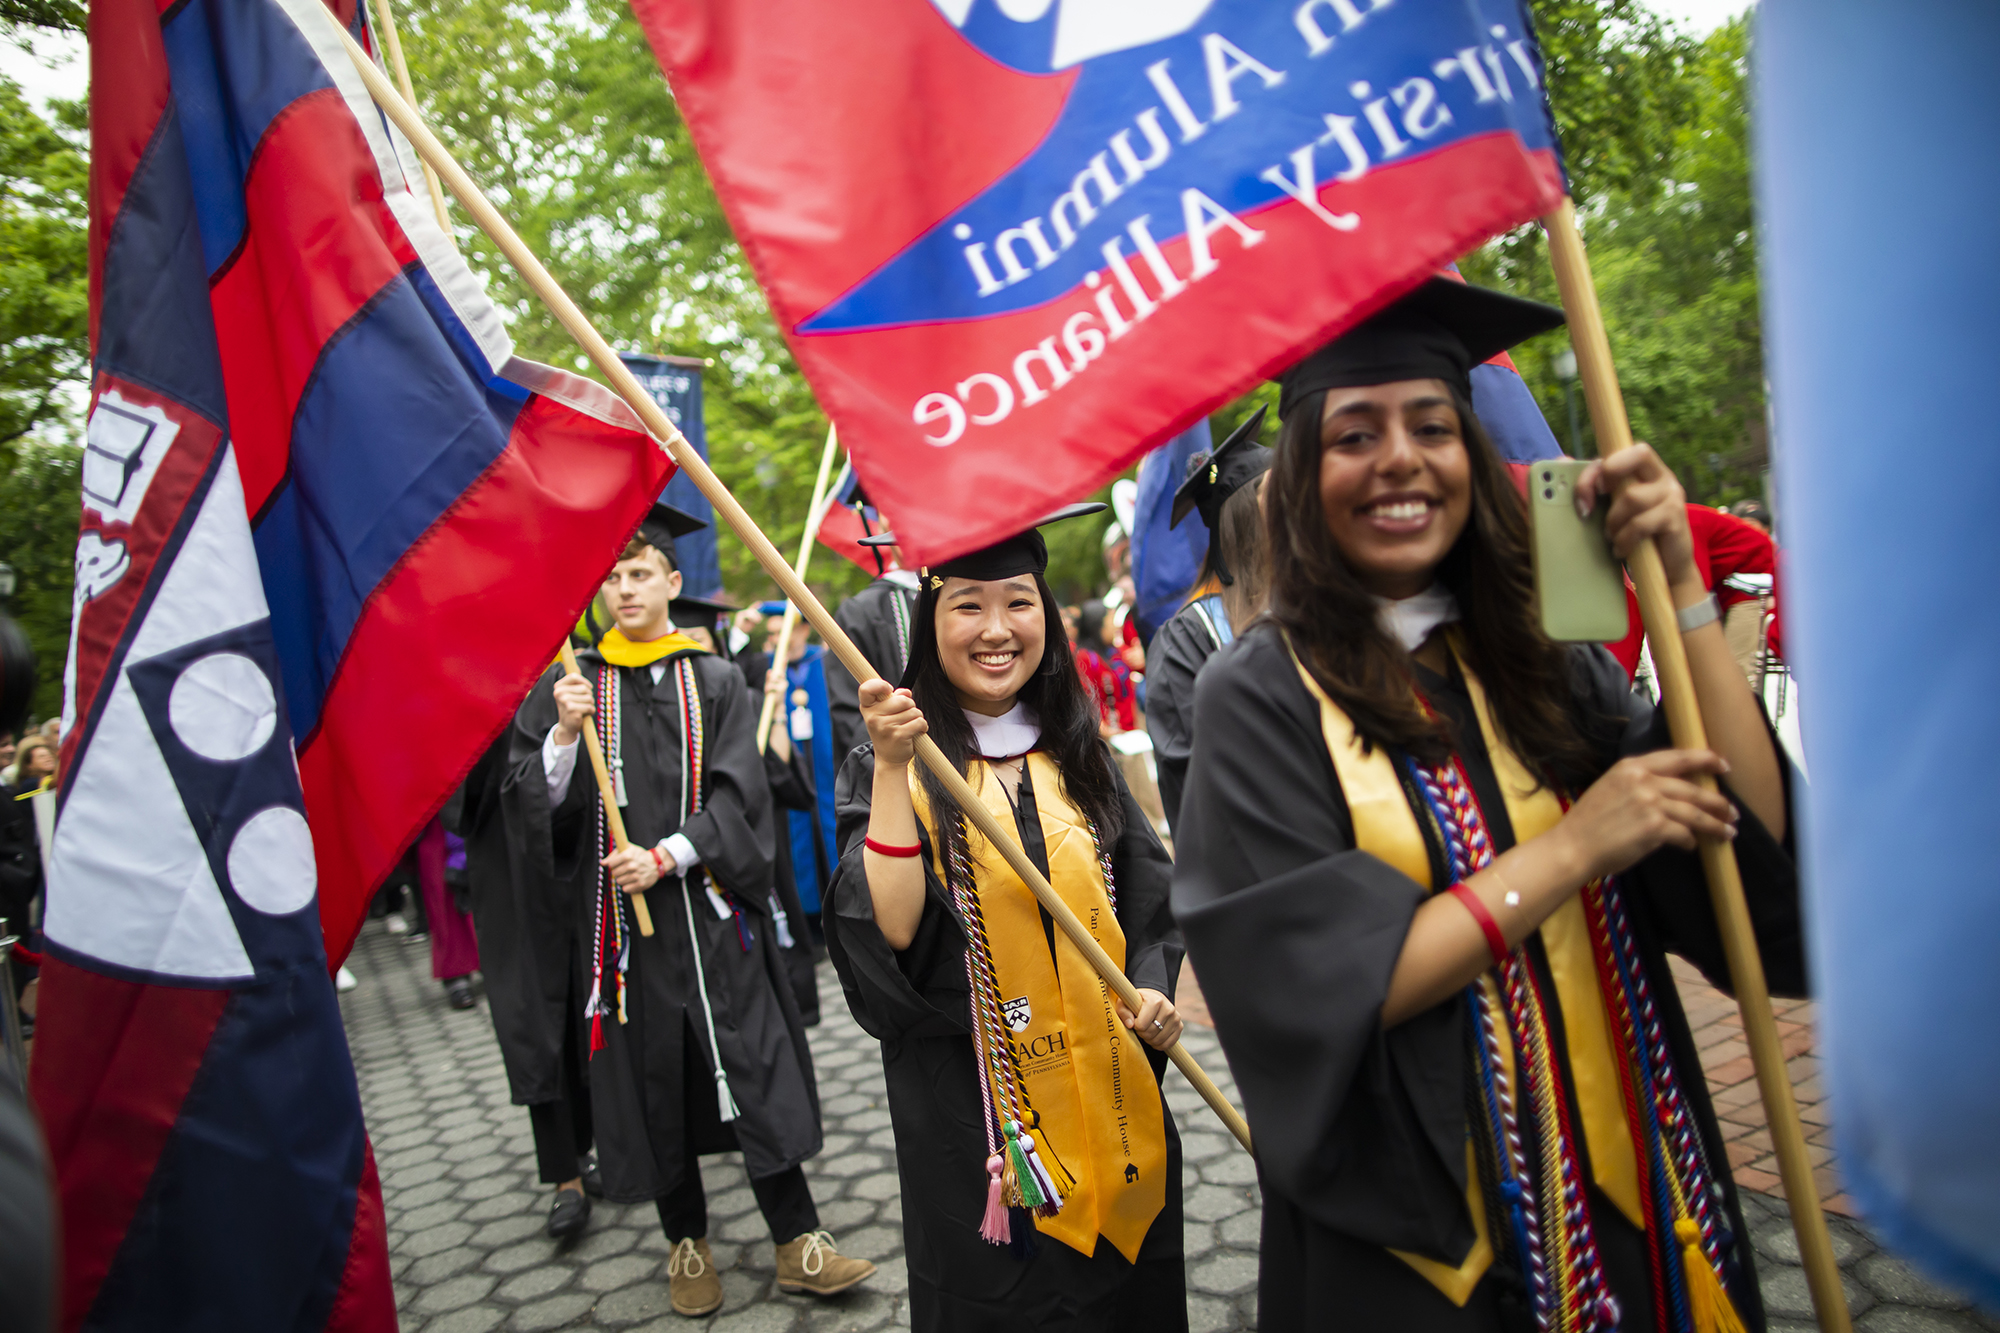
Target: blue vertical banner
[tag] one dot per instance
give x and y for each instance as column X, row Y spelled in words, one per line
column 1166, row 560
column 1878, row 186
column 675, row 383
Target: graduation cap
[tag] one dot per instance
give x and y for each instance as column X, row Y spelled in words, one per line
column 687, row 610
column 1213, row 478
column 662, row 524
column 1439, row 331
column 1023, row 553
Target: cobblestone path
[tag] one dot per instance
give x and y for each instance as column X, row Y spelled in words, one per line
column 466, row 1214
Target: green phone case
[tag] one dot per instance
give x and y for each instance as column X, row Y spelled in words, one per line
column 1579, row 587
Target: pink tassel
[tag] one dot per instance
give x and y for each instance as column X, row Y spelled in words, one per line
column 995, row 1226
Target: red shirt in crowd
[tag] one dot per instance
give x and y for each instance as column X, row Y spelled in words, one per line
column 1724, row 546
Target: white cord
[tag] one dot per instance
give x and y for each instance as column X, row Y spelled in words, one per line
column 725, row 1103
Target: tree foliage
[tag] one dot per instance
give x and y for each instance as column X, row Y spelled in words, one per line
column 1673, row 252
column 38, row 521
column 44, row 266
column 61, row 15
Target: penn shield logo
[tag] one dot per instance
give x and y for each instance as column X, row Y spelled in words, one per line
column 1017, row 1014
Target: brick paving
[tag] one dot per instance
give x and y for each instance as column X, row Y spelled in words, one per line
column 1732, row 1082
column 466, row 1214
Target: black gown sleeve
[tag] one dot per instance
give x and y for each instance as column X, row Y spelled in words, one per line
column 791, row 779
column 1673, row 890
column 1293, row 934
column 552, row 838
column 920, row 992
column 1177, row 654
column 732, row 830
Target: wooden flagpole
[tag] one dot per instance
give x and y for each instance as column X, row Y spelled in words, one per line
column 566, row 312
column 606, row 792
column 784, row 643
column 392, row 46
column 1718, row 859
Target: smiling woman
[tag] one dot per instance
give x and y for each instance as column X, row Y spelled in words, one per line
column 1463, row 850
column 1007, row 1060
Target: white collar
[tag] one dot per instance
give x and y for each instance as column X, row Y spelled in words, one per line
column 902, row 578
column 1410, row 620
column 1013, row 733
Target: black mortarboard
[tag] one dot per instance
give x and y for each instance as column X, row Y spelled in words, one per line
column 663, row 523
column 1023, row 553
column 687, row 610
column 1439, row 331
column 1213, row 478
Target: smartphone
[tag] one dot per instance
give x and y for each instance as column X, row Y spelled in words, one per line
column 1579, row 586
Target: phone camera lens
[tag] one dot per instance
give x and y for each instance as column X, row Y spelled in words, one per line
column 1549, row 493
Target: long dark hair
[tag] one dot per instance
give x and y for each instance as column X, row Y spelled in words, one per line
column 1330, row 616
column 1055, row 692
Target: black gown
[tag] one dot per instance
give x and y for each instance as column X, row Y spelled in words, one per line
column 915, row 1002
column 1174, row 659
column 869, row 617
column 639, row 1089
column 1360, row 1133
column 527, row 937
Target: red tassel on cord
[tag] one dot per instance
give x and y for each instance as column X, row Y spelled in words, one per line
column 597, row 1032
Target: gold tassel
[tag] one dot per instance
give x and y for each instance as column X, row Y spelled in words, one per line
column 1708, row 1302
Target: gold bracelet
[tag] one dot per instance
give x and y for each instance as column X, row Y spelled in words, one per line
column 1507, row 895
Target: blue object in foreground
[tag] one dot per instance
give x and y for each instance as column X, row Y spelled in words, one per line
column 1878, row 184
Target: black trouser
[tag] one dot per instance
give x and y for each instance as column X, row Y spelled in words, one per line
column 785, row 1199
column 562, row 1127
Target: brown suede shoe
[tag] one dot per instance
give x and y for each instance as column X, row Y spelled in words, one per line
column 812, row 1264
column 692, row 1283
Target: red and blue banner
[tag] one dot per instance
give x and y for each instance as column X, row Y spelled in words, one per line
column 331, row 531
column 1016, row 243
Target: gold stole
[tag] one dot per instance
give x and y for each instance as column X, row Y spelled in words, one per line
column 618, row 650
column 1386, row 827
column 1087, row 1076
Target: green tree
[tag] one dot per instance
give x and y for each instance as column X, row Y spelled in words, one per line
column 38, row 521
column 1672, row 250
column 44, row 266
column 61, row 15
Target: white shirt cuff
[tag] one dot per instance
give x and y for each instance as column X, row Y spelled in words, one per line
column 681, row 852
column 558, row 763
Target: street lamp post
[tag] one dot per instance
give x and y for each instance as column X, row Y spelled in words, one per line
column 1565, row 369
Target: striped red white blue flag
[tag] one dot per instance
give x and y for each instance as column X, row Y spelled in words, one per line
column 331, row 531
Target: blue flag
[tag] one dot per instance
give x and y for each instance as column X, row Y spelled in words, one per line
column 1879, row 296
column 675, row 383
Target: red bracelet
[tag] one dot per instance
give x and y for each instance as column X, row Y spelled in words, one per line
column 659, row 862
column 1494, row 939
column 887, row 849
